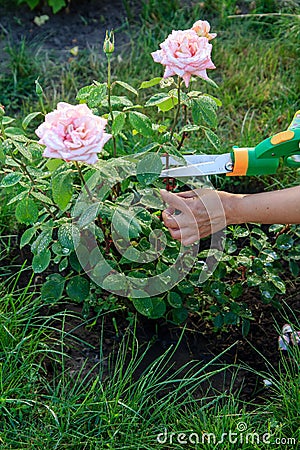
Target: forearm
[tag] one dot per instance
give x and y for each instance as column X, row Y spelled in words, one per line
column 281, row 206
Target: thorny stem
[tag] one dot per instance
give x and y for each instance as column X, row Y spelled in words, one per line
column 177, row 109
column 109, row 100
column 83, row 181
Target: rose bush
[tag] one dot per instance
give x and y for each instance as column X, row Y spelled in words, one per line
column 91, row 209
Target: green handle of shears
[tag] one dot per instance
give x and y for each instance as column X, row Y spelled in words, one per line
column 282, row 145
column 265, row 157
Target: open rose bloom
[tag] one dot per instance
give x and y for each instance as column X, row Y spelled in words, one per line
column 73, row 133
column 185, row 53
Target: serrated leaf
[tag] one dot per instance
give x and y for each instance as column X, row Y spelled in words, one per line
column 97, row 95
column 84, row 92
column 125, row 223
column 213, row 138
column 11, row 179
column 203, row 110
column 29, row 118
column 41, row 261
column 23, row 150
column 68, row 236
column 62, row 189
column 78, row 289
column 149, row 168
column 27, row 236
column 127, row 86
column 118, row 124
column 18, row 197
column 53, row 288
column 43, row 198
column 141, row 123
column 150, row 83
column 27, row 211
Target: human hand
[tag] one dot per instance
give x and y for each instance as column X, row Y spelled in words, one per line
column 201, row 214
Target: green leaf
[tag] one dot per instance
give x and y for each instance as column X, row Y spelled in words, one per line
column 62, row 189
column 150, row 83
column 23, row 150
column 125, row 223
column 179, row 315
column 42, row 198
column 53, row 288
column 141, row 123
column 84, row 93
column 294, row 267
column 116, row 283
column 41, row 261
column 78, row 289
column 153, row 307
column 18, row 197
column 278, row 283
column 11, row 179
column 29, row 118
column 56, row 5
column 97, row 95
column 27, row 236
column 189, row 128
column 213, row 138
column 149, row 168
column 163, row 101
column 6, row 120
column 245, row 327
column 68, row 236
column 53, row 164
column 203, row 110
column 174, row 299
column 42, row 241
column 127, row 86
column 284, row 242
column 118, row 123
column 27, row 211
column 218, row 321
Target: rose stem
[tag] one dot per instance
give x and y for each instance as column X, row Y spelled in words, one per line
column 83, row 181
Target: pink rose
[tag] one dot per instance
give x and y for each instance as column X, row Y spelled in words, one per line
column 184, row 53
column 202, row 28
column 73, row 133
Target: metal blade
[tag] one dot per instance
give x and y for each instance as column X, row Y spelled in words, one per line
column 220, row 164
column 190, row 159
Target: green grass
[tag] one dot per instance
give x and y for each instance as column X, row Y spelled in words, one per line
column 110, row 406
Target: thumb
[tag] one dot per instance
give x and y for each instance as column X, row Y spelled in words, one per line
column 173, row 200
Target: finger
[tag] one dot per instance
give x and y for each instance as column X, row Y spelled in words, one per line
column 174, row 201
column 169, row 219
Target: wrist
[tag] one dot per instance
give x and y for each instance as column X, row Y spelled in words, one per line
column 233, row 208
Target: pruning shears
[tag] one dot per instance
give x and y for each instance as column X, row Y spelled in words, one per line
column 263, row 159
